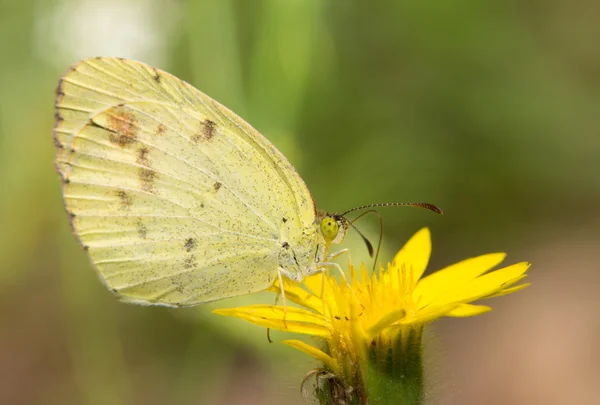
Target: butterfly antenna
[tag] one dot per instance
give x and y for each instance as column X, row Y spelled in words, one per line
column 364, row 238
column 428, row 206
column 380, row 233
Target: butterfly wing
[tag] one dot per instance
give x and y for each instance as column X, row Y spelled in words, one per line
column 176, row 199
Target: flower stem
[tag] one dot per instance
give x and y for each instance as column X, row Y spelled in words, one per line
column 331, row 391
column 394, row 374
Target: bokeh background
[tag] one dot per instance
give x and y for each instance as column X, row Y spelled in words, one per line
column 489, row 109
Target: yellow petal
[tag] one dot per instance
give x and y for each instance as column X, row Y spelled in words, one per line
column 297, row 293
column 489, row 284
column 427, row 315
column 464, row 310
column 443, row 281
column 314, row 352
column 321, row 284
column 296, row 319
column 415, row 253
column 385, row 322
column 314, row 283
column 510, row 290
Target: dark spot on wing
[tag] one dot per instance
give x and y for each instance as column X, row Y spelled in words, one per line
column 201, row 205
column 59, row 95
column 123, row 126
column 125, row 198
column 157, row 77
column 337, row 317
column 94, row 124
column 207, row 131
column 161, row 129
column 55, row 139
column 59, row 91
column 142, row 156
column 284, row 220
column 189, row 262
column 72, row 222
column 141, row 228
column 217, row 186
column 85, row 248
column 147, row 178
column 190, row 243
column 285, row 245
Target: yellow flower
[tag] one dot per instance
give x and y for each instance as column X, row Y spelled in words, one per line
column 376, row 318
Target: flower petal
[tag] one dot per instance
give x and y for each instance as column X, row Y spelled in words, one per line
column 296, row 319
column 489, row 284
column 388, row 320
column 465, row 310
column 415, row 253
column 428, row 314
column 443, row 281
column 298, row 294
column 314, row 283
column 510, row 290
column 314, row 352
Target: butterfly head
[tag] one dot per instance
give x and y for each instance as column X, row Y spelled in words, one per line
column 333, row 227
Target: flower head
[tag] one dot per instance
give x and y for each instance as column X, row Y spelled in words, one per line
column 373, row 319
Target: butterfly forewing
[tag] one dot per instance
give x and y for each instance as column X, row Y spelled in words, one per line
column 176, row 199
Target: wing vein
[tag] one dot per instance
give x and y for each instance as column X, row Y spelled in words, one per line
column 70, row 80
column 131, row 189
column 119, row 78
column 208, row 263
column 208, row 173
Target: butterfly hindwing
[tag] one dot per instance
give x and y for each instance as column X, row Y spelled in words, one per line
column 176, row 199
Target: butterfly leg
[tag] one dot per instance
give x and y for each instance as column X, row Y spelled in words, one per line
column 338, row 254
column 282, row 297
column 333, row 255
column 328, row 263
column 325, row 265
column 269, row 329
column 323, row 270
column 342, row 273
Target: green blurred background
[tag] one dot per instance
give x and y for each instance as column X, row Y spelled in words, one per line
column 489, row 109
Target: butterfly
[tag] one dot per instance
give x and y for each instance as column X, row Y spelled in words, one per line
column 176, row 200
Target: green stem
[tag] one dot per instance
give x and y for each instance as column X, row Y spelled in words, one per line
column 394, row 374
column 332, row 391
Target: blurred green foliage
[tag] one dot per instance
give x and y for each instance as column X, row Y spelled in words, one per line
column 488, row 109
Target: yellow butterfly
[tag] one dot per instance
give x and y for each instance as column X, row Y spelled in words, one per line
column 176, row 199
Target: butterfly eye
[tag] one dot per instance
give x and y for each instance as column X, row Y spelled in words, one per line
column 329, row 228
